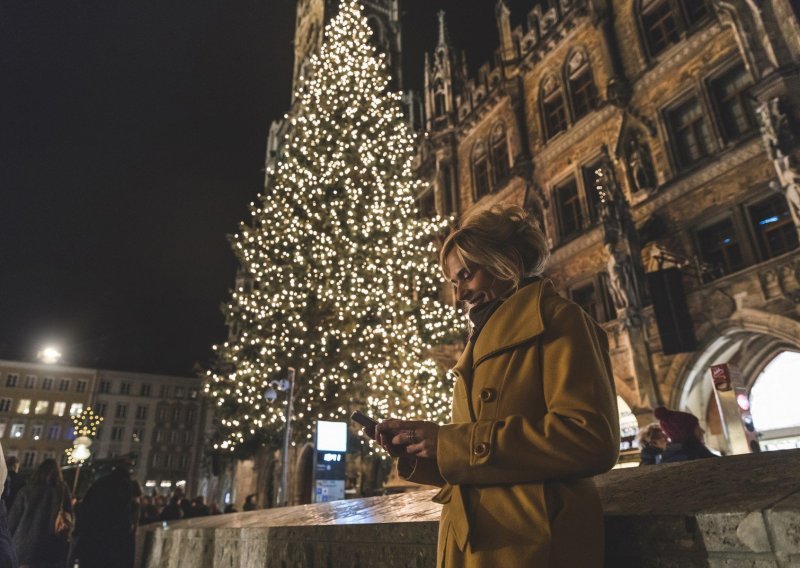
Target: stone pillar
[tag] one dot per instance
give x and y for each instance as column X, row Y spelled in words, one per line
column 618, row 89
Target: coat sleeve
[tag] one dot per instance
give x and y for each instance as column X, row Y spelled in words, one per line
column 577, row 437
column 424, row 471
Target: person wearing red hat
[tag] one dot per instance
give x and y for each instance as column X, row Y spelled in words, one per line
column 685, row 435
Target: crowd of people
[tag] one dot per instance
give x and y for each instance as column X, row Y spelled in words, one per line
column 48, row 528
column 177, row 506
column 43, row 526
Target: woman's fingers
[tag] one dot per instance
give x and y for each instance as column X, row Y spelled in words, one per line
column 408, row 437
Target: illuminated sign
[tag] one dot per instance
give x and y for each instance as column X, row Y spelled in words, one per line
column 331, row 436
column 329, row 469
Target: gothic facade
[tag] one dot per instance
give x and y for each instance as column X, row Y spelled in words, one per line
column 643, row 135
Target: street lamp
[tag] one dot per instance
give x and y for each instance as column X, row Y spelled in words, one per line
column 270, row 395
column 49, row 355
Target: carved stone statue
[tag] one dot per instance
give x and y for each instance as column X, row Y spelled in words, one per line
column 621, row 280
column 779, row 141
column 621, row 240
column 641, row 165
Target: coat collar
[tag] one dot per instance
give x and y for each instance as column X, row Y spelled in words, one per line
column 517, row 320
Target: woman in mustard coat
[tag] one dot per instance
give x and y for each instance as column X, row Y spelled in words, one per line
column 534, row 411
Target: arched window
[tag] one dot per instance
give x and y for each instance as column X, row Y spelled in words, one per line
column 377, row 31
column 663, row 22
column 480, row 171
column 448, row 196
column 554, row 111
column 581, row 87
column 439, row 104
column 774, row 396
column 501, row 168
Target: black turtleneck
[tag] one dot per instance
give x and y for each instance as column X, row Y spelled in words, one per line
column 481, row 314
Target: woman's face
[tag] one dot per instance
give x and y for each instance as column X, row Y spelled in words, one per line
column 660, row 440
column 473, row 284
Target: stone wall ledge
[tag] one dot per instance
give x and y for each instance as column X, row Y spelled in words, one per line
column 737, row 511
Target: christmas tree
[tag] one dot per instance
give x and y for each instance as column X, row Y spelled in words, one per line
column 344, row 281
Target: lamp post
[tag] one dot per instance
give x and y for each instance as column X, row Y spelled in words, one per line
column 270, row 395
column 86, row 424
column 80, row 453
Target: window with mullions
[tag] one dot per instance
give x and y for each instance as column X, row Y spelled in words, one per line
column 696, row 11
column 659, row 26
column 554, row 110
column 664, row 21
column 570, row 214
column 593, row 297
column 691, row 136
column 730, row 92
column 586, row 297
column 480, row 171
column 500, row 159
column 590, row 188
column 580, row 81
column 773, row 226
column 719, row 247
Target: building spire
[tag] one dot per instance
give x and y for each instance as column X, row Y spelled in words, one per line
column 444, row 37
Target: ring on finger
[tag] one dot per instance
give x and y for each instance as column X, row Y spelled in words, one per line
column 412, row 437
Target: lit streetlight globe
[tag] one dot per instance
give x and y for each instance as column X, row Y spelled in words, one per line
column 81, row 452
column 49, row 355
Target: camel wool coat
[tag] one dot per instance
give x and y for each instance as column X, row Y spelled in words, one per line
column 534, row 418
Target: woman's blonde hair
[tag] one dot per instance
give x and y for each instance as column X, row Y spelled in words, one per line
column 501, row 239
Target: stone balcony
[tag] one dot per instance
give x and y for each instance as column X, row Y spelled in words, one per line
column 735, row 511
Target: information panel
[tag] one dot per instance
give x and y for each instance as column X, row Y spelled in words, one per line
column 329, row 466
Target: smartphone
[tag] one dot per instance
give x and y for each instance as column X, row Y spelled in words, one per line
column 368, row 423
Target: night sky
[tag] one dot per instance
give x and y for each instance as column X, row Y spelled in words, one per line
column 132, row 137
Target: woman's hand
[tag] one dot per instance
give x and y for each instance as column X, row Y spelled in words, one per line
column 408, row 438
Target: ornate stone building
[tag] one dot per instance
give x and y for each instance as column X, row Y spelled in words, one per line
column 655, row 141
column 643, row 136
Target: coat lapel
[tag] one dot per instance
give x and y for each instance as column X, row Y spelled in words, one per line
column 516, row 321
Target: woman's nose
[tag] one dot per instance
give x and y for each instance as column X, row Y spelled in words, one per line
column 461, row 291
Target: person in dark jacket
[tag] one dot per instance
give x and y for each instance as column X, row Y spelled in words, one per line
column 685, row 435
column 33, row 516
column 177, row 507
column 652, row 443
column 250, row 503
column 199, row 507
column 107, row 520
column 14, row 482
column 8, row 558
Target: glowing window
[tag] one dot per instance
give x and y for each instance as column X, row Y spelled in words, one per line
column 774, row 396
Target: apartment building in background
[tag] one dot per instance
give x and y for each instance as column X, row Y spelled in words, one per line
column 37, row 403
column 152, row 419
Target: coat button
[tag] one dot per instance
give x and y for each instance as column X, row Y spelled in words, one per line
column 481, row 449
column 488, row 395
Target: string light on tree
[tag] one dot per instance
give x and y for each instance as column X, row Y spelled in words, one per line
column 344, row 281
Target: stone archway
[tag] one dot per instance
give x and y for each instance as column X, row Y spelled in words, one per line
column 748, row 340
